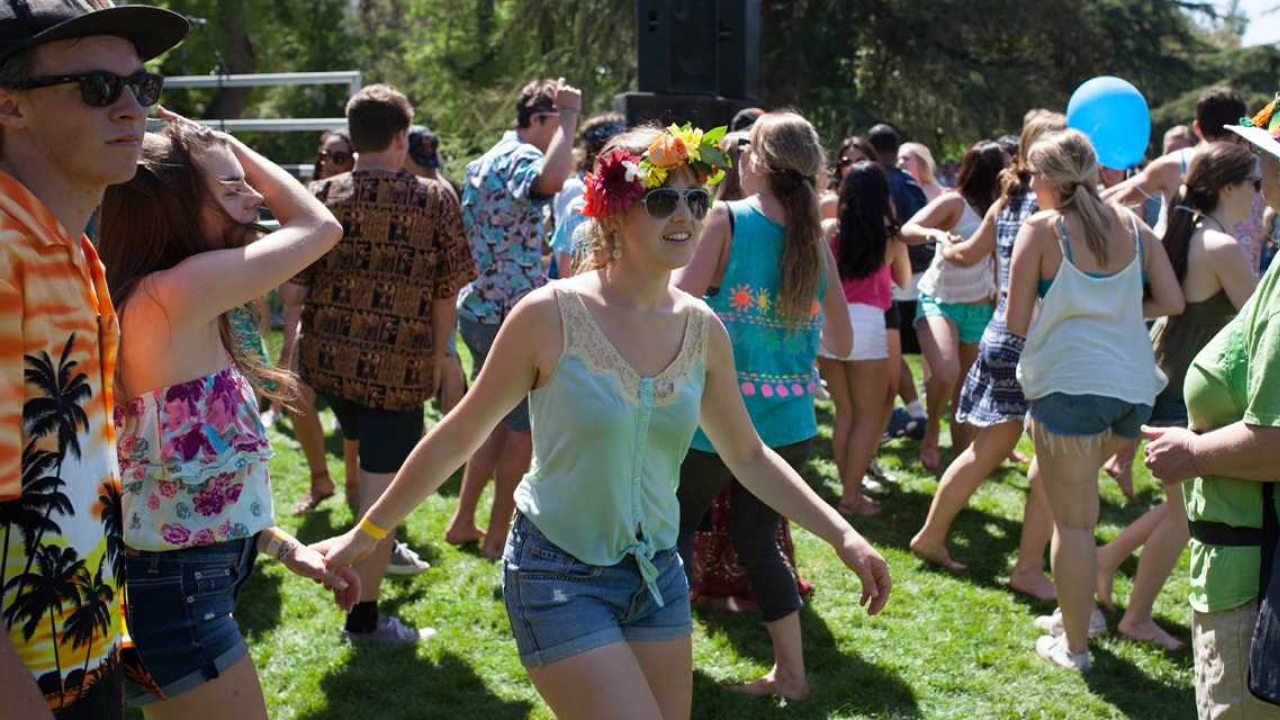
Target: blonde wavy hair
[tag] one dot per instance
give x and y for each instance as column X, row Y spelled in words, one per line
column 1067, row 162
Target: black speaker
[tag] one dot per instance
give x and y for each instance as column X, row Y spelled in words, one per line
column 704, row 111
column 699, row 47
column 738, row 48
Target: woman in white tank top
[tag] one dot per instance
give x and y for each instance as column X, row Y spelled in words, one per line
column 955, row 300
column 1087, row 369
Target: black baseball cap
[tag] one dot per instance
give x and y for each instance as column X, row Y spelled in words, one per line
column 27, row 23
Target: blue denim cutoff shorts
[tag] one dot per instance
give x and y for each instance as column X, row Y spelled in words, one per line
column 560, row 606
column 1079, row 415
column 180, row 614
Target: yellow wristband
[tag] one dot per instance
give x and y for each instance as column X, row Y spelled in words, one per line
column 371, row 530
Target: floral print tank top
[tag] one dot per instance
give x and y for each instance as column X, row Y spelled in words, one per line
column 193, row 463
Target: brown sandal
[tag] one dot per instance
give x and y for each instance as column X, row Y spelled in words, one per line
column 310, row 499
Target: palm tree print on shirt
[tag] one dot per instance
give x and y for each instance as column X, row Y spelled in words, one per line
column 92, row 615
column 48, row 591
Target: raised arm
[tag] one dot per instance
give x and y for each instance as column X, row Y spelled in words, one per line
column 533, row 331
column 704, row 266
column 208, row 284
column 559, row 163
column 770, row 478
column 1157, row 180
column 976, row 247
column 934, row 221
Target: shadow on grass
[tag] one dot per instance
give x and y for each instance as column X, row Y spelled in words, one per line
column 839, row 680
column 1134, row 693
column 390, row 683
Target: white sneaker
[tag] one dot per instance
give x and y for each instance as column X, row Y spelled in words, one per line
column 1052, row 624
column 406, row 562
column 1054, row 649
column 391, row 631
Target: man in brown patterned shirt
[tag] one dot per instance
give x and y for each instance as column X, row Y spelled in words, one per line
column 379, row 312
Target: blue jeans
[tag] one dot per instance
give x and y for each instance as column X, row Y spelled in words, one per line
column 559, row 606
column 180, row 614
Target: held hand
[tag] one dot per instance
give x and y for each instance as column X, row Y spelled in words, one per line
column 872, row 570
column 1169, row 454
column 568, row 97
column 344, row 550
column 307, row 562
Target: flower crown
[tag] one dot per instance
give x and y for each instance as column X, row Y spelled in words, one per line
column 622, row 177
column 1267, row 119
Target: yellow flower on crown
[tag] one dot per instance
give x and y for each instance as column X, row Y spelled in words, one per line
column 692, row 138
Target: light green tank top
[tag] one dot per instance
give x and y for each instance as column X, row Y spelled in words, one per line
column 608, row 444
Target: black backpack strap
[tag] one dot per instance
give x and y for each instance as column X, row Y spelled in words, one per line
column 1270, row 534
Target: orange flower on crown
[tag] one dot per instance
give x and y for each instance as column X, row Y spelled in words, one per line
column 668, row 151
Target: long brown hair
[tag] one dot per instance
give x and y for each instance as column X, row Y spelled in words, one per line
column 1214, row 167
column 1016, row 179
column 151, row 223
column 789, row 150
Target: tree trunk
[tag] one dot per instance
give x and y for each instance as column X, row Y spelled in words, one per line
column 237, row 52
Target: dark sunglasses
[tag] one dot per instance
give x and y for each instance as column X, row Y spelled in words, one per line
column 337, row 157
column 662, row 202
column 100, row 88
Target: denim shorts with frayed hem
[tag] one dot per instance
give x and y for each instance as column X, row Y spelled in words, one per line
column 180, row 615
column 1079, row 415
column 560, row 606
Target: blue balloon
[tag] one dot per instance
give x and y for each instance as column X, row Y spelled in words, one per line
column 1116, row 118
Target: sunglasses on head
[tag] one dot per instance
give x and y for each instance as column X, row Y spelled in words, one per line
column 337, row 157
column 662, row 202
column 100, row 88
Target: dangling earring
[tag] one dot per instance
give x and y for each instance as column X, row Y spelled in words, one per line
column 617, row 252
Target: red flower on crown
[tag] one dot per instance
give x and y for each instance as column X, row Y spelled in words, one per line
column 615, row 187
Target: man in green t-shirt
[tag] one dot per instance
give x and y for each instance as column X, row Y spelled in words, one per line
column 1232, row 392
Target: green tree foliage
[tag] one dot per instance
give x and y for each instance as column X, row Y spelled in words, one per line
column 946, row 73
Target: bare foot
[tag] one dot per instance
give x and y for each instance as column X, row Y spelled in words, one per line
column 771, row 685
column 1148, row 632
column 1036, row 584
column 463, row 536
column 1016, row 455
column 489, row 553
column 861, row 506
column 930, row 456
column 936, row 555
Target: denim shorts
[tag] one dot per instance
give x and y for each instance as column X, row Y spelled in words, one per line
column 479, row 338
column 180, row 615
column 1170, row 411
column 970, row 319
column 1079, row 415
column 560, row 606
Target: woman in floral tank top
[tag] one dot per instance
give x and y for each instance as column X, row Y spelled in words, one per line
column 193, row 451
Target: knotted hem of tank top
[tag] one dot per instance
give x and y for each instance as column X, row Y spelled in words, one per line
column 643, row 552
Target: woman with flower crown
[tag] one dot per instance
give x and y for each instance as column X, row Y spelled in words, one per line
column 620, row 368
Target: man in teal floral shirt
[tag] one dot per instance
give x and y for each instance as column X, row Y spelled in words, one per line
column 504, row 197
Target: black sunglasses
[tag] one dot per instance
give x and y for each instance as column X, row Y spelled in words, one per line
column 337, row 157
column 662, row 202
column 100, row 88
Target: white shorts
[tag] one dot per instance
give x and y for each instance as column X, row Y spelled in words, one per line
column 870, row 339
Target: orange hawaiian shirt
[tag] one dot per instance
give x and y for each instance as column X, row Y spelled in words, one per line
column 62, row 563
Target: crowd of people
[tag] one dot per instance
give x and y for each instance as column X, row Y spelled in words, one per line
column 651, row 314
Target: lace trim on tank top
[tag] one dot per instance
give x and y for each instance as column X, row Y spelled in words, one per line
column 584, row 339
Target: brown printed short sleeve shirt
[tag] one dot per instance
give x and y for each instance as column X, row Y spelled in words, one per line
column 366, row 324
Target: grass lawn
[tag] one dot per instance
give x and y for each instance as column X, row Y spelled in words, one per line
column 945, row 647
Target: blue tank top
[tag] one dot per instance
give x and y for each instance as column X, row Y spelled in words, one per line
column 774, row 355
